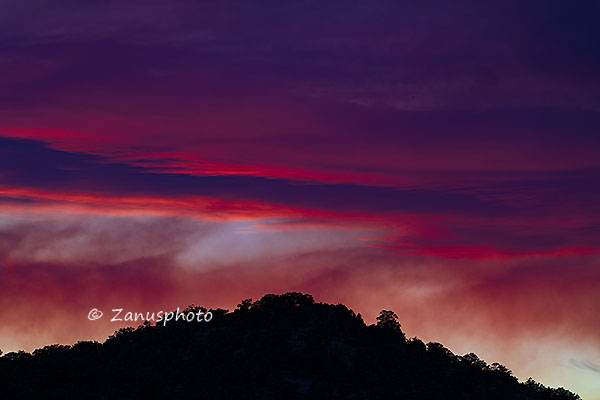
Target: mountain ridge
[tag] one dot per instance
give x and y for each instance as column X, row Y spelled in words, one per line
column 279, row 347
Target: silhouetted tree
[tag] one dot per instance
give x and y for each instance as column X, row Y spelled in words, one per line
column 497, row 367
column 388, row 320
column 245, row 304
column 474, row 360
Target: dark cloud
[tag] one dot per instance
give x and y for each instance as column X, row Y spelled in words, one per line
column 426, row 56
column 31, row 164
column 15, row 201
column 586, row 365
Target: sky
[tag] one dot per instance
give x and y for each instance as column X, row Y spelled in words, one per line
column 436, row 158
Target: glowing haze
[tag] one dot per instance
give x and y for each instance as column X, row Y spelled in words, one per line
column 440, row 159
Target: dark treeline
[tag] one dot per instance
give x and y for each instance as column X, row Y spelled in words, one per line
column 279, row 347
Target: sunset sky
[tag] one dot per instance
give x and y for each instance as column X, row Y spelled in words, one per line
column 440, row 159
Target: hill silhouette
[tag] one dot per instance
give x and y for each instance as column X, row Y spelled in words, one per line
column 279, row 347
